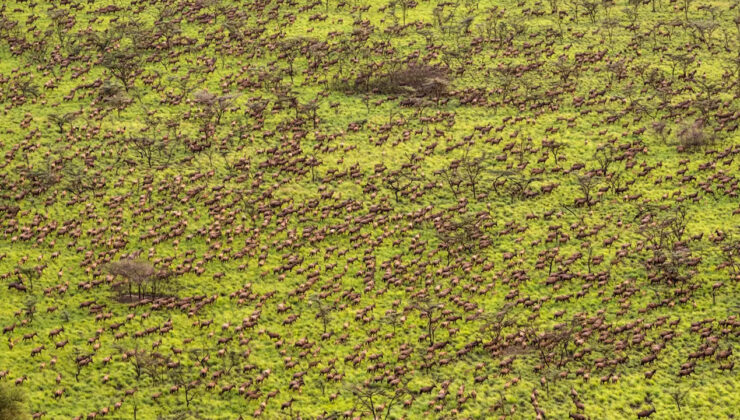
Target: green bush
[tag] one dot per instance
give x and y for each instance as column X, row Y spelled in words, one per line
column 12, row 403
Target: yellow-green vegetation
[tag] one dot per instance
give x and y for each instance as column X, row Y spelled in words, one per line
column 12, row 403
column 332, row 209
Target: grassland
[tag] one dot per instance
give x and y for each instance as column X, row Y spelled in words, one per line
column 434, row 209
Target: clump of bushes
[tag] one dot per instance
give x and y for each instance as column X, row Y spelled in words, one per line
column 413, row 79
column 693, row 137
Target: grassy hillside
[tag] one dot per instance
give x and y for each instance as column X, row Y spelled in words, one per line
column 406, row 209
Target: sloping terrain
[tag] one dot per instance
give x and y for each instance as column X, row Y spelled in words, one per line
column 356, row 209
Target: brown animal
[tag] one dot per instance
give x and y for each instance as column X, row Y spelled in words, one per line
column 646, row 413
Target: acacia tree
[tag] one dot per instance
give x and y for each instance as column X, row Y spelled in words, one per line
column 574, row 5
column 323, row 310
column 554, row 147
column 733, row 65
column 453, row 177
column 377, row 399
column 145, row 147
column 396, row 181
column 399, row 181
column 565, row 69
column 461, row 235
column 77, row 179
column 29, row 273
column 515, row 183
column 731, row 257
column 592, row 8
column 682, row 61
column 394, row 319
column 473, row 169
column 429, row 310
column 123, row 64
column 80, row 360
column 60, row 23
column 212, row 108
column 60, row 120
column 113, row 97
column 312, row 162
column 586, row 184
column 678, row 396
column 135, row 272
column 693, row 136
column 186, row 379
column 290, row 50
column 545, row 343
column 605, row 155
column 506, row 78
column 153, row 365
column 167, row 26
column 29, row 308
column 496, row 323
column 151, row 148
column 663, row 232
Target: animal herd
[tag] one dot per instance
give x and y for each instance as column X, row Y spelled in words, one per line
column 319, row 209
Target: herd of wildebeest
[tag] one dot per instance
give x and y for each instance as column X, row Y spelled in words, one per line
column 348, row 209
